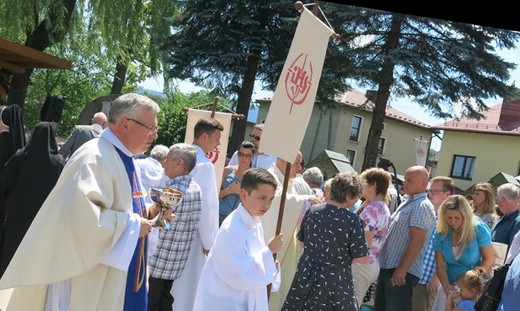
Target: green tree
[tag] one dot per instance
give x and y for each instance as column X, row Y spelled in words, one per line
column 226, row 46
column 80, row 86
column 439, row 64
column 39, row 25
column 132, row 31
column 173, row 116
column 129, row 33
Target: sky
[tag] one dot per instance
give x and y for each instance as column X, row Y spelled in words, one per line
column 401, row 104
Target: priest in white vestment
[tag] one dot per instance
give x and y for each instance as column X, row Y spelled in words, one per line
column 77, row 252
column 299, row 197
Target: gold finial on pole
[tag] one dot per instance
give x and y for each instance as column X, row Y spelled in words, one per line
column 298, row 5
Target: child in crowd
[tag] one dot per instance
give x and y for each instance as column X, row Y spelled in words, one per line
column 465, row 297
column 240, row 265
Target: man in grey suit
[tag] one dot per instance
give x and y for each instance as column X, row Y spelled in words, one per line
column 82, row 134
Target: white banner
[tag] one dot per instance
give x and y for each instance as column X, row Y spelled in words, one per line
column 421, row 151
column 293, row 100
column 218, row 156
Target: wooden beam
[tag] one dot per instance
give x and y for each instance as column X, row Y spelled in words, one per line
column 12, row 67
column 35, row 58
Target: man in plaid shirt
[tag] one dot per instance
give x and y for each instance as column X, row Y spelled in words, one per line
column 169, row 258
column 402, row 254
column 424, row 293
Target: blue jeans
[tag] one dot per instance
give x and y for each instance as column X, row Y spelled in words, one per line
column 394, row 298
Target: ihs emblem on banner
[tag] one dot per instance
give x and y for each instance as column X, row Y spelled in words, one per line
column 298, row 80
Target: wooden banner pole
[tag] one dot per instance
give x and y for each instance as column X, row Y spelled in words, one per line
column 280, row 211
column 214, row 107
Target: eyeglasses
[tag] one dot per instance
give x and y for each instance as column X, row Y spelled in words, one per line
column 435, row 191
column 151, row 129
column 244, row 155
column 254, row 137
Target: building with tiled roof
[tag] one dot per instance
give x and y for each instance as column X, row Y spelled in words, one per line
column 473, row 150
column 359, row 100
column 344, row 128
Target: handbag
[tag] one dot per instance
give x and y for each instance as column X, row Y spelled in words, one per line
column 492, row 293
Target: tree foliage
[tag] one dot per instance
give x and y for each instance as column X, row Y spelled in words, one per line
column 226, row 46
column 86, row 81
column 223, row 46
column 173, row 116
column 132, row 31
column 21, row 19
column 128, row 34
column 39, row 25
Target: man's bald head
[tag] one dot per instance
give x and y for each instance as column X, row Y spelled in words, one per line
column 99, row 118
column 415, row 180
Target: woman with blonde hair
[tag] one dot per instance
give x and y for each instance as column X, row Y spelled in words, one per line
column 483, row 203
column 462, row 242
column 375, row 214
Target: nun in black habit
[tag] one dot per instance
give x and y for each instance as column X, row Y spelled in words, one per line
column 28, row 178
column 12, row 138
column 12, row 135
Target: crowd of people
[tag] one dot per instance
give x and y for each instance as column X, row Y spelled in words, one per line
column 79, row 226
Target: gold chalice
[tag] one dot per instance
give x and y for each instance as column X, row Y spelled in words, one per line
column 166, row 198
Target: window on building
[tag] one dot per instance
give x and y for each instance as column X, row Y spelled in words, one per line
column 463, row 167
column 351, row 156
column 381, row 145
column 356, row 128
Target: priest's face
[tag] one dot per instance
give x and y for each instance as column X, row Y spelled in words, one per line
column 142, row 131
column 295, row 167
column 258, row 202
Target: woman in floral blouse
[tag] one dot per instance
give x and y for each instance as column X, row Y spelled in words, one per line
column 375, row 215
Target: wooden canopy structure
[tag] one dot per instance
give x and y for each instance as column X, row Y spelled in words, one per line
column 16, row 58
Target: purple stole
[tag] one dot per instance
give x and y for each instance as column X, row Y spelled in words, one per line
column 136, row 296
